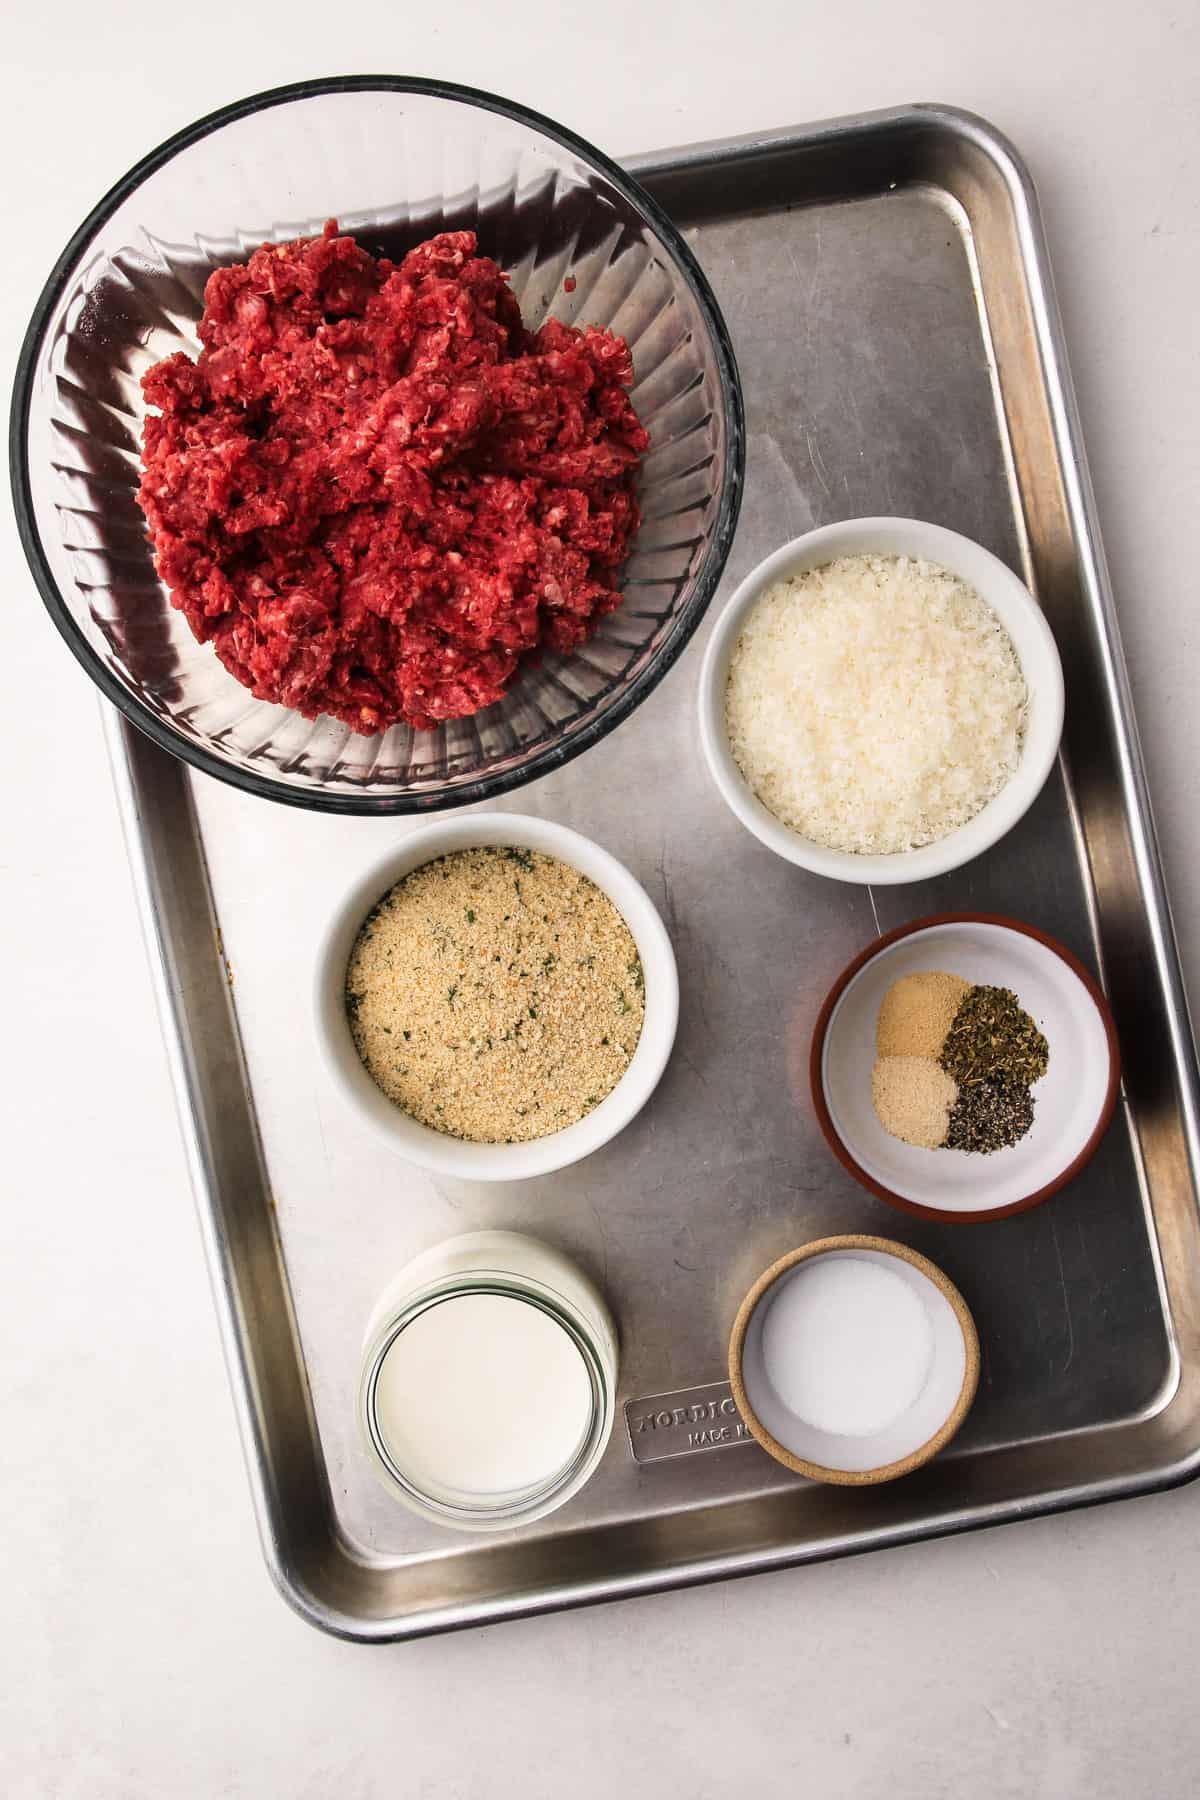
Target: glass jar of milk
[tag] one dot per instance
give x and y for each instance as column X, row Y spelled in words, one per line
column 489, row 1381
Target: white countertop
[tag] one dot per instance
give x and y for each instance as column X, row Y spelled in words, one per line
column 144, row 1650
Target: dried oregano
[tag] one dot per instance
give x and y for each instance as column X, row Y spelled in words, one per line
column 994, row 1039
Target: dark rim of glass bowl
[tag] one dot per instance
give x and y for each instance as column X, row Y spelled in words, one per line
column 554, row 756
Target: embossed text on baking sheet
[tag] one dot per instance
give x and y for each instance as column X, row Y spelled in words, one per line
column 691, row 1419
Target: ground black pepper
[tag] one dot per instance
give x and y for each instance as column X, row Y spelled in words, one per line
column 989, row 1115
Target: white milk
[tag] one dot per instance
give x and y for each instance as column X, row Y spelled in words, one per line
column 483, row 1396
column 846, row 1345
column 487, row 1391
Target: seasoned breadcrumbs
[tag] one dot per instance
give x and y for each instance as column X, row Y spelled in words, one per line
column 495, row 994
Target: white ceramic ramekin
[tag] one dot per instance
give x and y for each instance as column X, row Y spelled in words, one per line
column 498, row 1162
column 1032, row 640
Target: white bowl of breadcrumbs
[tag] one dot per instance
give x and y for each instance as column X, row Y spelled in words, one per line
column 497, row 997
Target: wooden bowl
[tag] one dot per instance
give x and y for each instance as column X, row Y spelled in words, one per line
column 904, row 1442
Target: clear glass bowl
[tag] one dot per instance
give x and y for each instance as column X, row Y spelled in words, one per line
column 394, row 161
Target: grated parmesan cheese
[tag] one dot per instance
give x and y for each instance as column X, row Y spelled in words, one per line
column 875, row 704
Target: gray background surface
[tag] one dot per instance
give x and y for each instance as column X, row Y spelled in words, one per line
column 144, row 1651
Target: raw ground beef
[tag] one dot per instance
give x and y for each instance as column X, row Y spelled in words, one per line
column 375, row 491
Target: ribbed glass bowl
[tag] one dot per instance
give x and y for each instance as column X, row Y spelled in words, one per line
column 394, row 161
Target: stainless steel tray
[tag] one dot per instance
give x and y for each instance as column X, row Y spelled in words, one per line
column 886, row 284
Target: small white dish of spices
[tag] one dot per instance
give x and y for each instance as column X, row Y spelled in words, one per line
column 881, row 701
column 853, row 1360
column 497, row 997
column 964, row 1067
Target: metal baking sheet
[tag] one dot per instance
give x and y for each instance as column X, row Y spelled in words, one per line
column 886, row 285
